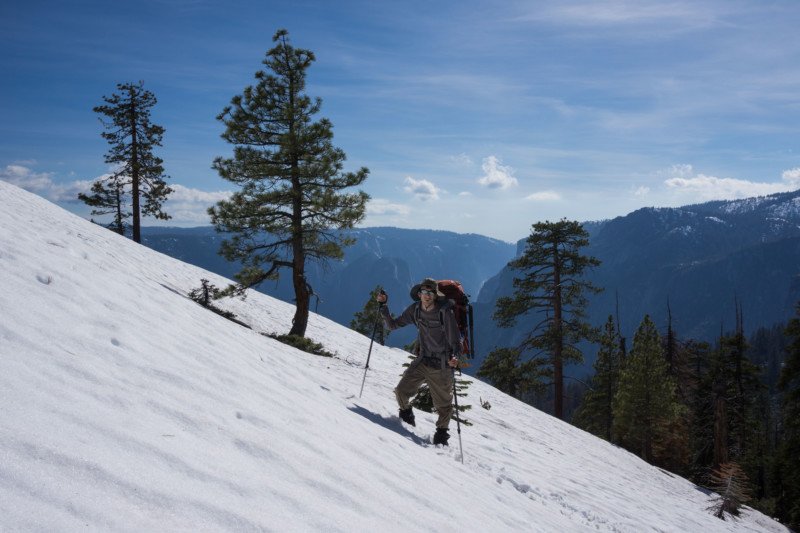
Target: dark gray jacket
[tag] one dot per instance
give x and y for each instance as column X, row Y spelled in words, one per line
column 438, row 331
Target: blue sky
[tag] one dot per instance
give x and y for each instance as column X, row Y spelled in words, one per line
column 472, row 116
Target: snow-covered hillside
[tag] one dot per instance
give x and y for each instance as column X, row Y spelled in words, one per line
column 125, row 406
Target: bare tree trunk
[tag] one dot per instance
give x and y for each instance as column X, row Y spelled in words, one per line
column 301, row 289
column 301, row 292
column 300, row 320
column 558, row 361
column 118, row 217
column 720, row 427
column 135, row 168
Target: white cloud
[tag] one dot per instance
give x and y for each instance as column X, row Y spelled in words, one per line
column 380, row 206
column 616, row 12
column 26, row 162
column 461, row 160
column 544, row 196
column 641, row 192
column 24, row 177
column 42, row 183
column 680, row 171
column 185, row 194
column 497, row 176
column 186, row 205
column 422, row 189
column 703, row 188
column 792, row 177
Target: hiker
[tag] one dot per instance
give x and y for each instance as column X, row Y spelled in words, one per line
column 438, row 349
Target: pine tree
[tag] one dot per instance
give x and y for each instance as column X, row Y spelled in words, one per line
column 138, row 173
column 503, row 368
column 700, row 405
column 291, row 205
column 365, row 321
column 461, row 386
column 788, row 505
column 736, row 386
column 552, row 286
column 731, row 484
column 596, row 413
column 678, row 362
column 645, row 406
column 108, row 198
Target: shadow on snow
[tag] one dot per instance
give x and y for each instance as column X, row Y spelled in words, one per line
column 392, row 422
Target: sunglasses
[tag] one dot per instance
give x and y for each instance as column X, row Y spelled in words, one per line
column 428, row 292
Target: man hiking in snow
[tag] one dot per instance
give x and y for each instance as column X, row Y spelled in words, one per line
column 438, row 348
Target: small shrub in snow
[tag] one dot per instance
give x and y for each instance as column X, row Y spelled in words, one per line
column 302, row 343
column 205, row 294
column 730, row 482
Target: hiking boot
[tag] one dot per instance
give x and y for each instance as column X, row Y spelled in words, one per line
column 441, row 436
column 407, row 416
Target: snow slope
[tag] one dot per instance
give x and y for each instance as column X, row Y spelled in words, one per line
column 125, row 406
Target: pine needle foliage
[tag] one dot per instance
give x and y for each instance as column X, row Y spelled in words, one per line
column 365, row 321
column 504, row 368
column 291, row 203
column 108, row 198
column 139, row 173
column 789, row 384
column 551, row 294
column 596, row 413
column 303, row 344
column 730, row 483
column 645, row 407
column 205, row 296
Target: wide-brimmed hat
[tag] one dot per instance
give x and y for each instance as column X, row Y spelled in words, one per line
column 427, row 283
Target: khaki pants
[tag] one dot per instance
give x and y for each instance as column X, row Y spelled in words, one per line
column 440, row 383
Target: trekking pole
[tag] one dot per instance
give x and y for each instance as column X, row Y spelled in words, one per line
column 471, row 354
column 369, row 353
column 458, row 421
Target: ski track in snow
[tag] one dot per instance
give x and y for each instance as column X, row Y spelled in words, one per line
column 125, row 406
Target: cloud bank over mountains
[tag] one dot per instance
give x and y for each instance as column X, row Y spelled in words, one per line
column 677, row 185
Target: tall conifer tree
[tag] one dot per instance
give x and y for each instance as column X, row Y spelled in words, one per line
column 552, row 294
column 369, row 319
column 596, row 413
column 108, row 198
column 735, row 387
column 645, row 406
column 517, row 378
column 788, row 504
column 138, row 172
column 291, row 203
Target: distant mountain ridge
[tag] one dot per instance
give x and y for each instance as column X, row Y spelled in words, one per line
column 698, row 259
column 392, row 257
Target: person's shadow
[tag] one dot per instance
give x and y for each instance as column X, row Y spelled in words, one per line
column 393, row 423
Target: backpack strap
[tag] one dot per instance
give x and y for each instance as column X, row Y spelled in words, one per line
column 448, row 304
column 419, row 333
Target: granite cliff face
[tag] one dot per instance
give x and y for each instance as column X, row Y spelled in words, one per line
column 698, row 259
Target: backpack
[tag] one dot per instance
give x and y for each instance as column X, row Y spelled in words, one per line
column 459, row 301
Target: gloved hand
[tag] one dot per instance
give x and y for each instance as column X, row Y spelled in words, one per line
column 453, row 362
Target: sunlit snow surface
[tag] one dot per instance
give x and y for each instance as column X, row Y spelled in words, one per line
column 125, row 406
